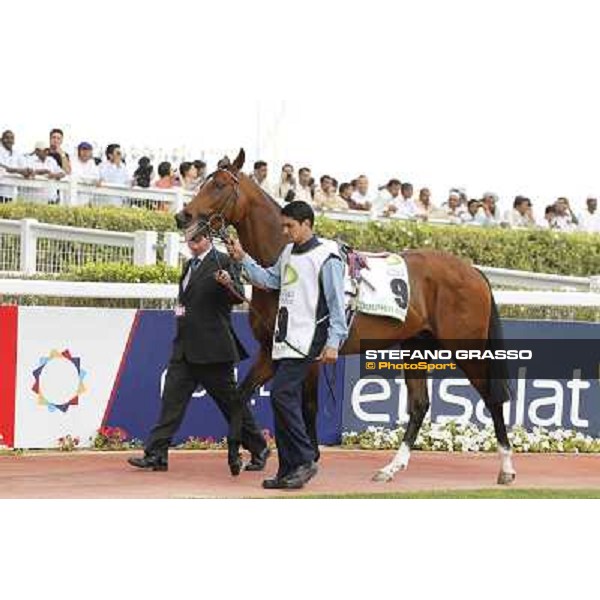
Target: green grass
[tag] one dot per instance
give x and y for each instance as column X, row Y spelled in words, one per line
column 485, row 494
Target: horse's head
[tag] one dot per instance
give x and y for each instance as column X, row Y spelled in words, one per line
column 218, row 197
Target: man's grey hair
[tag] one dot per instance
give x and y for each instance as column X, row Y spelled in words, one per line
column 490, row 195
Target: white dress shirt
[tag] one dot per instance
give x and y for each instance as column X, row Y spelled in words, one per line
column 9, row 159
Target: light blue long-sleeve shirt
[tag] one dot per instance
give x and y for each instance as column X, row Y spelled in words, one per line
column 332, row 277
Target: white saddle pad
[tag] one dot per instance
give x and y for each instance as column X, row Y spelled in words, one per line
column 384, row 288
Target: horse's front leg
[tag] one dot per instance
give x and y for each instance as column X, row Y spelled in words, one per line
column 260, row 372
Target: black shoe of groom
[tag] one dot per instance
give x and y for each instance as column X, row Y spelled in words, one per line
column 234, row 459
column 283, row 483
column 149, row 463
column 305, row 472
column 258, row 461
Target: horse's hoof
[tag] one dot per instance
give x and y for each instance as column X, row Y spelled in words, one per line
column 506, row 478
column 382, row 476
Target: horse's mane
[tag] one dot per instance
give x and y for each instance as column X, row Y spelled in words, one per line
column 267, row 197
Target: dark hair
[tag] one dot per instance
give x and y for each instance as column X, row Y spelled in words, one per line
column 344, row 187
column 143, row 174
column 472, row 201
column 164, row 169
column 520, row 200
column 56, row 130
column 259, row 164
column 324, row 177
column 299, row 211
column 110, row 149
column 184, row 167
column 287, row 165
column 303, row 170
column 199, row 164
column 550, row 209
column 406, row 185
column 393, row 182
column 334, row 181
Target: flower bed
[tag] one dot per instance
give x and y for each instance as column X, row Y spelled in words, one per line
column 467, row 437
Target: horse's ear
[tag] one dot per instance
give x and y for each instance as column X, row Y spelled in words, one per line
column 238, row 163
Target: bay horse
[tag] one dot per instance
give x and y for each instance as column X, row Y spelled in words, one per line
column 450, row 300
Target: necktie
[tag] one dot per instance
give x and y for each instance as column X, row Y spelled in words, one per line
column 196, row 263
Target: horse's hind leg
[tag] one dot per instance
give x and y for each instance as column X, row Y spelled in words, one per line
column 486, row 386
column 418, row 404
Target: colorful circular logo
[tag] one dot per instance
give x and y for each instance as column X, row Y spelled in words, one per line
column 58, row 381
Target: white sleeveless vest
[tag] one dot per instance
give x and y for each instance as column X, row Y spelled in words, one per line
column 299, row 299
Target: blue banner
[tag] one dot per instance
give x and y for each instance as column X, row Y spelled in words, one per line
column 572, row 403
column 136, row 399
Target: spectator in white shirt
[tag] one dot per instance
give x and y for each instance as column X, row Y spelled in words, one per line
column 453, row 209
column 362, row 198
column 287, row 183
column 189, row 176
column 259, row 176
column 201, row 170
column 11, row 163
column 56, row 151
column 113, row 172
column 549, row 221
column 84, row 167
column 43, row 165
column 565, row 219
column 488, row 214
column 304, row 190
column 589, row 219
column 387, row 202
column 85, row 170
column 521, row 214
column 423, row 205
column 474, row 214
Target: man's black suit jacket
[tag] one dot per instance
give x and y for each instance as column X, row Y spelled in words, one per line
column 205, row 333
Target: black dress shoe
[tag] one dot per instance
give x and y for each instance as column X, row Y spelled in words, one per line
column 150, row 463
column 306, row 472
column 234, row 459
column 258, row 461
column 289, row 482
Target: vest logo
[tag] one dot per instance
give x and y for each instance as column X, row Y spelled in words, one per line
column 58, row 381
column 290, row 275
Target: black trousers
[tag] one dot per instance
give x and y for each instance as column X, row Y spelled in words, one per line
column 219, row 382
column 294, row 447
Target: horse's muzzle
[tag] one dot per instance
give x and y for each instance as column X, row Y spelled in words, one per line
column 183, row 219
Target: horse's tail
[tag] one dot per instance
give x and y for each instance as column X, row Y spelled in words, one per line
column 499, row 387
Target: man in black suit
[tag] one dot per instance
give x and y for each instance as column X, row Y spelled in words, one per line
column 204, row 352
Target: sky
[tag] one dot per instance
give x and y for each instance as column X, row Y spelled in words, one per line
column 483, row 95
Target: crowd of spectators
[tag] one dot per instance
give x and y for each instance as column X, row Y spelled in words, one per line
column 395, row 199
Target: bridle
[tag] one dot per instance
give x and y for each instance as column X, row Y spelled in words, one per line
column 216, row 222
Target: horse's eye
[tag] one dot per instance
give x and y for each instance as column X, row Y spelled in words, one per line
column 219, row 185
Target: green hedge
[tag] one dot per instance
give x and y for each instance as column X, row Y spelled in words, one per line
column 110, row 218
column 535, row 250
column 160, row 273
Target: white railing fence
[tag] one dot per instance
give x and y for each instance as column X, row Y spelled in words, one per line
column 555, row 306
column 70, row 192
column 28, row 247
